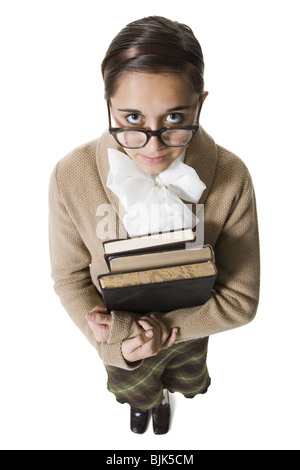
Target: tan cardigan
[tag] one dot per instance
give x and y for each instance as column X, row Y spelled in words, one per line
column 76, row 197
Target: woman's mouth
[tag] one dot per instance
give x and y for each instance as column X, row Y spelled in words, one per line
column 154, row 160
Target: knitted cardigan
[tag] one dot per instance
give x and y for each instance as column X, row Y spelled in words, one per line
column 81, row 208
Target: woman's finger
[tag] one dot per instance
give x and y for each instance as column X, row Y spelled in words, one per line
column 132, row 348
column 99, row 318
column 99, row 309
column 171, row 340
column 154, row 322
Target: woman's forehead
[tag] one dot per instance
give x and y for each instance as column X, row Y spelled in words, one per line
column 169, row 91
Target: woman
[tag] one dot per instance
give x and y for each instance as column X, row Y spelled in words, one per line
column 154, row 87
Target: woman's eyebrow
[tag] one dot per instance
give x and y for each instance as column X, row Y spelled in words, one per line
column 178, row 108
column 171, row 110
column 128, row 110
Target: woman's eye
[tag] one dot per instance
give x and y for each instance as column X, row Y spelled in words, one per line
column 134, row 119
column 174, row 118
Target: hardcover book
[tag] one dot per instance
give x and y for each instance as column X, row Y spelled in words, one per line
column 166, row 240
column 158, row 290
column 144, row 260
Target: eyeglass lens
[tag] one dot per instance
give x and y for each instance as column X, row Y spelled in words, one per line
column 172, row 137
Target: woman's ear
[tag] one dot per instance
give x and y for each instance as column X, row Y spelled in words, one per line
column 205, row 94
column 201, row 101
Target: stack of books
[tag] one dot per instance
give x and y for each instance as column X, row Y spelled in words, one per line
column 157, row 273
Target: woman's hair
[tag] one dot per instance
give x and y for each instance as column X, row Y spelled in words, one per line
column 154, row 45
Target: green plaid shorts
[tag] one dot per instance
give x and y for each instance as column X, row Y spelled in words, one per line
column 181, row 368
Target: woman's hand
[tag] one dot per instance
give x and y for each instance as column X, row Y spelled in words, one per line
column 100, row 323
column 148, row 343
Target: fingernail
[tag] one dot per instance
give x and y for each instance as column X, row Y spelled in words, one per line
column 149, row 333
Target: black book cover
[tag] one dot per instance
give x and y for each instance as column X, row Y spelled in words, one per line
column 159, row 297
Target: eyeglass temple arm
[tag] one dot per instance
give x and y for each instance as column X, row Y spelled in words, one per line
column 108, row 109
column 201, row 104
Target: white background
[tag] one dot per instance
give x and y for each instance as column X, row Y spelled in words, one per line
column 53, row 385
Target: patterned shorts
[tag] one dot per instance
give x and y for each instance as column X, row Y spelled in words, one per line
column 181, row 368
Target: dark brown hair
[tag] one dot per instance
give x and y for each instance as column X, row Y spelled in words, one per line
column 165, row 46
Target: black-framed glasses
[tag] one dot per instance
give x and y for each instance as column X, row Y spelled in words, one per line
column 132, row 138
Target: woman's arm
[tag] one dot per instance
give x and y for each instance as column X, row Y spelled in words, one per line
column 70, row 261
column 234, row 299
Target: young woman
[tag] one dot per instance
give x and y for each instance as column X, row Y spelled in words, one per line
column 155, row 153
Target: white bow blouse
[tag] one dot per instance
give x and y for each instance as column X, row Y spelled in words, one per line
column 153, row 203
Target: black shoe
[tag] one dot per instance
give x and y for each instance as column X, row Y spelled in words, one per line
column 138, row 420
column 161, row 416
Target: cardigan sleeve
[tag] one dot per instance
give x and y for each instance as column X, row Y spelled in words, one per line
column 234, row 299
column 70, row 270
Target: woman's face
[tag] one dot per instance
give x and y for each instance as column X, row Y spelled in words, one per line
column 151, row 101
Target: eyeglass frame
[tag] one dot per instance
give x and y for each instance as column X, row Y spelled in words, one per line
column 115, row 130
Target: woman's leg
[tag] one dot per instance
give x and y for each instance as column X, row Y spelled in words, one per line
column 180, row 368
column 187, row 372
column 141, row 388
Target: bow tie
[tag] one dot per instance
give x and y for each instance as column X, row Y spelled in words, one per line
column 153, row 202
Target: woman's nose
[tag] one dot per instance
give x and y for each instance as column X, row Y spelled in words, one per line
column 154, row 144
